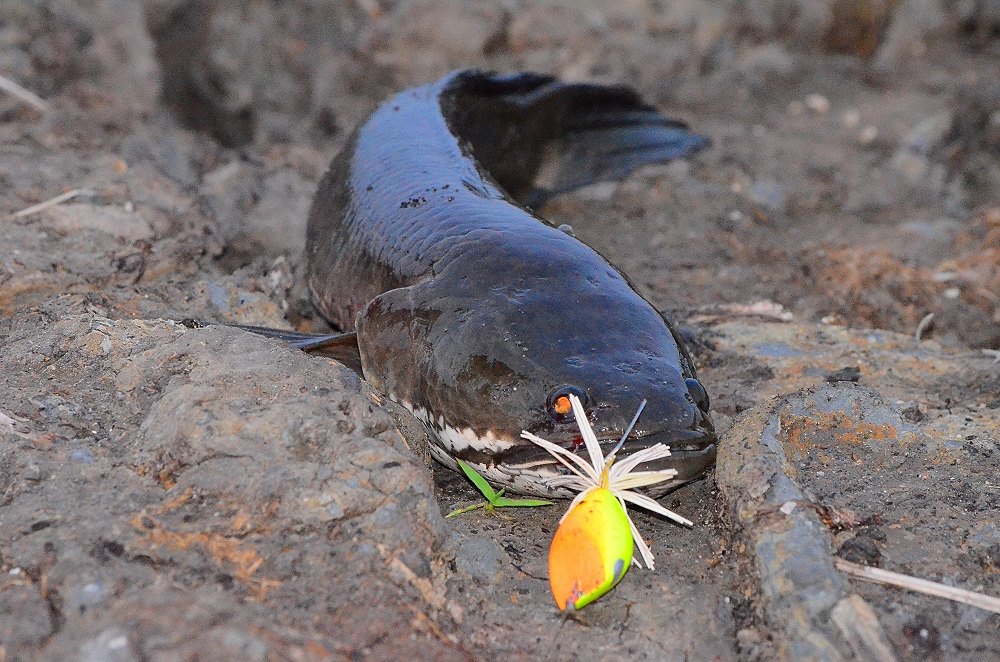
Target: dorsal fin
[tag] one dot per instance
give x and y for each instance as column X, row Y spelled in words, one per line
column 537, row 136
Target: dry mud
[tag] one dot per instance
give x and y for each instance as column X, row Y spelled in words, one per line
column 169, row 493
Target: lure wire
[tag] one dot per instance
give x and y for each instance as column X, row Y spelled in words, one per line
column 628, row 431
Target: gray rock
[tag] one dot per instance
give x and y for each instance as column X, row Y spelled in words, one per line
column 227, row 448
column 791, row 551
column 25, row 623
column 481, row 559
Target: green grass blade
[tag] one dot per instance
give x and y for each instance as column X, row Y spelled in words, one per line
column 507, row 502
column 467, row 509
column 478, row 481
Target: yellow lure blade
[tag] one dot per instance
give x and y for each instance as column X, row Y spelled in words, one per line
column 591, row 551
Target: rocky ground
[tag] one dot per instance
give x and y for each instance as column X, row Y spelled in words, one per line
column 171, row 494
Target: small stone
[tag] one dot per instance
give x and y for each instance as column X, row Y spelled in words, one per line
column 32, row 472
column 89, row 595
column 600, row 192
column 914, row 168
column 111, row 644
column 952, row 293
column 82, row 456
column 747, row 637
column 787, row 507
column 769, row 194
column 868, row 135
column 817, row 103
column 929, row 133
column 749, row 642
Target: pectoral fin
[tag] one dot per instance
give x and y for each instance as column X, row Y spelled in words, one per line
column 342, row 347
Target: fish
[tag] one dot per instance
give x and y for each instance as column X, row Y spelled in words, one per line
column 472, row 311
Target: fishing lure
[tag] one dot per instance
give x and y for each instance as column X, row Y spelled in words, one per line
column 592, row 548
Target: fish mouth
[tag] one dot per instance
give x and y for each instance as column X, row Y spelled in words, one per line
column 691, row 456
column 692, row 453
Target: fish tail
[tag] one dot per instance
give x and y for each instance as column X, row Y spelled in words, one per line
column 539, row 137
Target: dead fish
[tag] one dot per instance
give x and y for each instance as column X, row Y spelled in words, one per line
column 476, row 314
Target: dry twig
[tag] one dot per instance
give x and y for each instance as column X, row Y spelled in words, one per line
column 23, row 95
column 51, row 202
column 765, row 309
column 880, row 576
column 922, row 326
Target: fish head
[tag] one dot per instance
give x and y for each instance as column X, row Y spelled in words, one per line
column 611, row 387
column 478, row 368
column 515, row 374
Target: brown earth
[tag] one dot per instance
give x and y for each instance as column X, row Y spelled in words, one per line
column 168, row 493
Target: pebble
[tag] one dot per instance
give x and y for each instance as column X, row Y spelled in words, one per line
column 913, row 167
column 769, row 194
column 82, row 455
column 89, row 595
column 111, row 645
column 817, row 103
column 929, row 133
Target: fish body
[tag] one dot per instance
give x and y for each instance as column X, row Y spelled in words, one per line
column 474, row 313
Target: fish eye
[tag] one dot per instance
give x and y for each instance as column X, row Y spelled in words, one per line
column 698, row 393
column 558, row 405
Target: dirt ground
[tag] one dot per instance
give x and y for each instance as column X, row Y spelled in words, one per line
column 175, row 494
